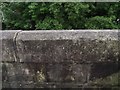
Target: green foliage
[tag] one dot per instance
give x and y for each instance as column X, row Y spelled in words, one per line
column 98, row 22
column 42, row 16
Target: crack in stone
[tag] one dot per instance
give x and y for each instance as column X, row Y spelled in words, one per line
column 15, row 46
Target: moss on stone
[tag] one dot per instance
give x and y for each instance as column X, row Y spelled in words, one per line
column 109, row 81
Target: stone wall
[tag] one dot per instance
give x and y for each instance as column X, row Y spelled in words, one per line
column 58, row 59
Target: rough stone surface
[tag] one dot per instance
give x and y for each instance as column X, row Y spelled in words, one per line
column 18, row 75
column 8, row 45
column 55, row 59
column 68, row 46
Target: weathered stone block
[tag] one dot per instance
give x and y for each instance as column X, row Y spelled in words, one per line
column 68, row 46
column 8, row 45
column 58, row 58
column 15, row 75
